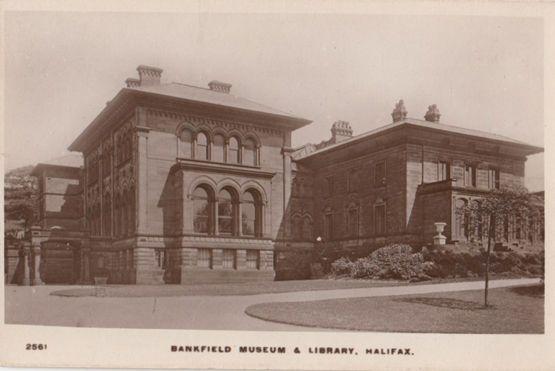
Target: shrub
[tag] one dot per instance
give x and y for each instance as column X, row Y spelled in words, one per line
column 390, row 262
column 341, row 267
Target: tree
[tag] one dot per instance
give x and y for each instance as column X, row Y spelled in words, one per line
column 496, row 209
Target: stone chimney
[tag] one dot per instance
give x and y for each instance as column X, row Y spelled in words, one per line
column 340, row 131
column 399, row 112
column 433, row 114
column 222, row 87
column 149, row 75
column 132, row 83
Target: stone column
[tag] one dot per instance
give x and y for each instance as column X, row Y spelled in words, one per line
column 142, row 180
column 26, row 279
column 36, row 266
column 287, row 180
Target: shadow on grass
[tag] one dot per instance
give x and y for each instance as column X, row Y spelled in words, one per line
column 447, row 303
column 535, row 291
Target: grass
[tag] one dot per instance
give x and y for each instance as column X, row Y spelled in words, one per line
column 517, row 310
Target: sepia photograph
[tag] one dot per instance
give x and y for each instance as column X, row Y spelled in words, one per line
column 274, row 173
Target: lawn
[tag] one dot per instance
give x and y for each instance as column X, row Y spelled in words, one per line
column 247, row 288
column 512, row 310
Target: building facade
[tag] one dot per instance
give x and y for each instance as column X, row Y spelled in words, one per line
column 182, row 184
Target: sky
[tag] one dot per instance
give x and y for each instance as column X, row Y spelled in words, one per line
column 484, row 73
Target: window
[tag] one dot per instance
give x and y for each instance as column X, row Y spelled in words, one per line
column 461, row 219
column 201, row 210
column 202, row 146
column 106, row 161
column 250, row 153
column 379, row 219
column 185, row 143
column 253, row 259
column 306, row 232
column 226, row 212
column 353, row 180
column 233, row 151
column 443, row 171
column 228, row 260
column 330, row 185
column 251, row 214
column 328, row 226
column 160, row 256
column 493, row 178
column 379, row 174
column 218, row 148
column 469, row 176
column 352, row 222
column 204, row 258
column 107, row 217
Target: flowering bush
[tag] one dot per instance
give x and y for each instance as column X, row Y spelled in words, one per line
column 395, row 261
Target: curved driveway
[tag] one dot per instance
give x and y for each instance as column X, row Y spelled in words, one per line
column 35, row 305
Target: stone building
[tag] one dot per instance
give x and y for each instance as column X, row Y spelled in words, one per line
column 182, row 184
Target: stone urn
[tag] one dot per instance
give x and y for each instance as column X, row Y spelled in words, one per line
column 439, row 238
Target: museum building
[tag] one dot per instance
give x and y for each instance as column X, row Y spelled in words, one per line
column 183, row 184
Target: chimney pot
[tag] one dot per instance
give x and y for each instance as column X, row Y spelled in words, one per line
column 222, row 87
column 433, row 114
column 132, row 83
column 341, row 130
column 399, row 112
column 149, row 75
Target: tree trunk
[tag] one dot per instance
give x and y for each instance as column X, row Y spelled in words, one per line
column 491, row 235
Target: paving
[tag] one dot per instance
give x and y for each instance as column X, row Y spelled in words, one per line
column 34, row 305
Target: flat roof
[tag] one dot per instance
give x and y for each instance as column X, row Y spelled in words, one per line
column 430, row 126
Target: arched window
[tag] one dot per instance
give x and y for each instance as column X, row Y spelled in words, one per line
column 461, row 219
column 226, row 212
column 107, row 217
column 202, row 211
column 250, row 153
column 185, row 143
column 251, row 214
column 218, row 148
column 233, row 151
column 307, row 229
column 202, row 146
column 297, row 227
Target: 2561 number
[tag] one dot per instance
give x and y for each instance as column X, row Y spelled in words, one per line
column 35, row 346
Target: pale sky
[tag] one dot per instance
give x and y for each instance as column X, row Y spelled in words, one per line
column 484, row 73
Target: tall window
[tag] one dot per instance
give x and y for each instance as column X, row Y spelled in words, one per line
column 352, row 222
column 202, row 146
column 228, row 260
column 249, row 153
column 379, row 219
column 328, row 225
column 251, row 214
column 226, row 212
column 253, row 259
column 493, row 178
column 469, row 176
column 201, row 211
column 442, row 171
column 218, row 148
column 330, row 185
column 353, row 180
column 233, row 151
column 204, row 258
column 185, row 143
column 306, row 232
column 107, row 217
column 379, row 174
column 461, row 219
